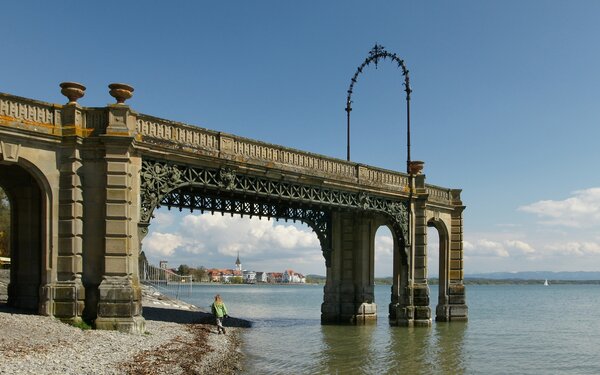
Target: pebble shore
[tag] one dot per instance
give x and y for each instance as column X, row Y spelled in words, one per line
column 179, row 339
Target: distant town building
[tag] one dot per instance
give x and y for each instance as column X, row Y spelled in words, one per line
column 261, row 277
column 249, row 277
column 238, row 264
column 289, row 276
column 163, row 264
column 221, row 275
column 274, row 277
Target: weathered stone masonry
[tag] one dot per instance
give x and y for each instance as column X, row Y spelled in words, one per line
column 83, row 183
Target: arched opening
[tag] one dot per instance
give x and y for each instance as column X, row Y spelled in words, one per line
column 214, row 242
column 26, row 237
column 4, row 244
column 384, row 270
column 391, row 271
column 438, row 262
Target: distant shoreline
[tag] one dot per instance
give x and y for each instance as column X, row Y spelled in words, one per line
column 476, row 281
column 485, row 281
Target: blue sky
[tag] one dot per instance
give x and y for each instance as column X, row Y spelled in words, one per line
column 505, row 105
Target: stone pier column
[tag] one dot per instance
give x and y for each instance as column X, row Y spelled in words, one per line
column 400, row 308
column 413, row 307
column 420, row 285
column 64, row 297
column 119, row 305
column 349, row 290
column 458, row 309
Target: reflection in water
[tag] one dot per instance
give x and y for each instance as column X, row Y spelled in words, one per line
column 409, row 351
column 287, row 337
column 450, row 354
column 392, row 350
column 348, row 349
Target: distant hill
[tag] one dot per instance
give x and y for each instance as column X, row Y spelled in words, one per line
column 315, row 279
column 504, row 276
column 536, row 275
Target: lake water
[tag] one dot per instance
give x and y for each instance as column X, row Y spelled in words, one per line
column 516, row 329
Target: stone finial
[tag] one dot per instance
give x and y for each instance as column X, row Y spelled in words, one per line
column 120, row 91
column 415, row 167
column 72, row 90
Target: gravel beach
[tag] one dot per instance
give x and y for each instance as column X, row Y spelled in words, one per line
column 179, row 339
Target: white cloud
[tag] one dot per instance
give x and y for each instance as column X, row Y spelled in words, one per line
column 504, row 248
column 162, row 219
column 215, row 240
column 490, row 248
column 574, row 248
column 521, row 246
column 163, row 244
column 384, row 245
column 582, row 210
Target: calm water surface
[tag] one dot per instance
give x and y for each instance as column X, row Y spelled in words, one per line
column 516, row 329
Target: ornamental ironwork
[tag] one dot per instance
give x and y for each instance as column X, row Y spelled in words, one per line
column 378, row 52
column 228, row 191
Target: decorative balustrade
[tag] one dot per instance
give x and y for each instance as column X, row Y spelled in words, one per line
column 46, row 118
column 96, row 118
column 153, row 129
column 439, row 194
column 40, row 116
column 182, row 134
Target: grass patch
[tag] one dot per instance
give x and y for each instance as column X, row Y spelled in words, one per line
column 81, row 325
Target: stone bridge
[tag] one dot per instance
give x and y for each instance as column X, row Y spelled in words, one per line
column 83, row 183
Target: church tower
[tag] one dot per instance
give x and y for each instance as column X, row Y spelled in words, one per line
column 238, row 264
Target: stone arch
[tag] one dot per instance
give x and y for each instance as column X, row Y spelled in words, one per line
column 444, row 262
column 32, row 262
column 344, row 221
column 194, row 197
column 400, row 270
column 227, row 190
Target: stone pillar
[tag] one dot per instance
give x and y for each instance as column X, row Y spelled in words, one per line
column 400, row 308
column 349, row 289
column 442, row 227
column 68, row 293
column 414, row 308
column 119, row 305
column 364, row 264
column 456, row 289
column 64, row 296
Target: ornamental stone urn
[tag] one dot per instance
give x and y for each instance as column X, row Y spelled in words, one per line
column 415, row 167
column 72, row 90
column 120, row 91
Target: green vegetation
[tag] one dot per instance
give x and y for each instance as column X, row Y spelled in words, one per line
column 383, row 281
column 81, row 325
column 478, row 281
column 199, row 274
column 315, row 279
column 237, row 280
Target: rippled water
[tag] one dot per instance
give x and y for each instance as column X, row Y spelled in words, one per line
column 517, row 329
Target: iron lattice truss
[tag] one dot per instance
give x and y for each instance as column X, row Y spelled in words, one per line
column 227, row 191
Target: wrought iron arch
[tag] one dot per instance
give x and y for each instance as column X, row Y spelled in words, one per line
column 227, row 191
column 375, row 54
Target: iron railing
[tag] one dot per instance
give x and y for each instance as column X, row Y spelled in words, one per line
column 166, row 281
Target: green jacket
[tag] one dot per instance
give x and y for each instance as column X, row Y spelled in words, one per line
column 219, row 310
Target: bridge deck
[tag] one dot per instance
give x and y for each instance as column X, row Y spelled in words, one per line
column 157, row 136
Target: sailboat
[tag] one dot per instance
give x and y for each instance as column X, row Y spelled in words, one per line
column 546, row 282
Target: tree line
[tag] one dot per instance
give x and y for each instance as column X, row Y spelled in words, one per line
column 198, row 274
